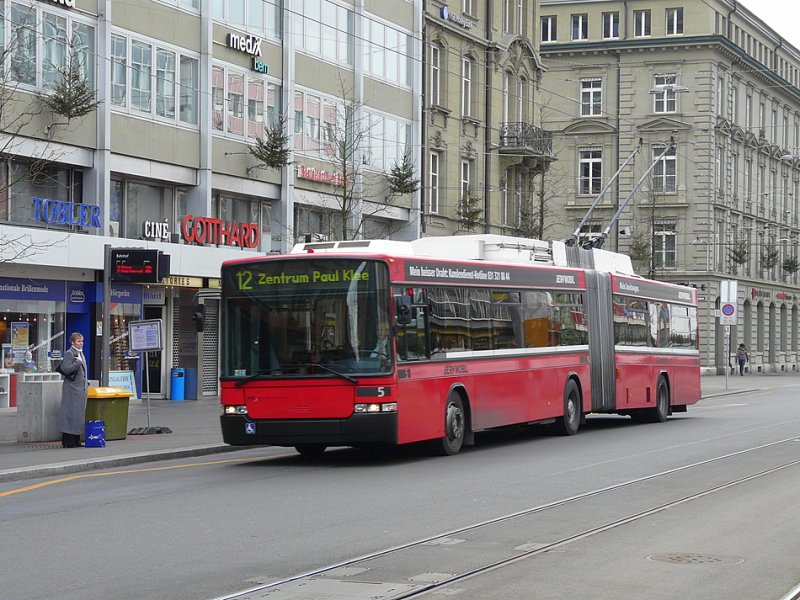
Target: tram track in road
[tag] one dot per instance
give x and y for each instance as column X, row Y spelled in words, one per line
column 359, row 577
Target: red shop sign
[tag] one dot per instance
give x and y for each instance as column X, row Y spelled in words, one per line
column 205, row 230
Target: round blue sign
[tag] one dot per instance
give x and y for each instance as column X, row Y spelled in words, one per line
column 728, row 309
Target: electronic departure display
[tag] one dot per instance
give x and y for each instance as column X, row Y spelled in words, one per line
column 138, row 265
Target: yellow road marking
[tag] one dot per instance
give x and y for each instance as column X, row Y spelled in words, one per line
column 37, row 486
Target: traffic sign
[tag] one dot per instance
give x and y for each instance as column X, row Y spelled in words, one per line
column 727, row 314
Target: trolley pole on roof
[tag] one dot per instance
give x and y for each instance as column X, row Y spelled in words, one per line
column 574, row 237
column 598, row 243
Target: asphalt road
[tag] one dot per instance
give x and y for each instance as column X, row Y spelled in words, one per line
column 703, row 506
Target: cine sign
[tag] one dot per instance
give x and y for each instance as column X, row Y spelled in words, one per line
column 137, row 265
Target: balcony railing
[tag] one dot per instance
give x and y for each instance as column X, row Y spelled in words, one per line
column 526, row 137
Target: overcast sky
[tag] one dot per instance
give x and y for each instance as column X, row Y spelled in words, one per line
column 782, row 15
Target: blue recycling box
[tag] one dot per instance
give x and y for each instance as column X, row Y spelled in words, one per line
column 177, row 384
column 95, row 434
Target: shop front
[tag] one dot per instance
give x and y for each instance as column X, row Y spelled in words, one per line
column 37, row 316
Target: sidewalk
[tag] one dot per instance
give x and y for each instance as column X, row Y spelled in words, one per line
column 196, row 432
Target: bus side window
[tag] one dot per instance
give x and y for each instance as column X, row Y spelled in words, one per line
column 412, row 332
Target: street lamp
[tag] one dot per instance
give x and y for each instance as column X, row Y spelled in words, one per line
column 668, row 87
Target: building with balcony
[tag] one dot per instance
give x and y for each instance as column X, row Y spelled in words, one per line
column 484, row 150
column 623, row 80
column 185, row 87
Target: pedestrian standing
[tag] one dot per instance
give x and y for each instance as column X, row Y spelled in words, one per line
column 72, row 412
column 742, row 356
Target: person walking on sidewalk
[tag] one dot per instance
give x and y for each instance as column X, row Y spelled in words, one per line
column 742, row 356
column 72, row 412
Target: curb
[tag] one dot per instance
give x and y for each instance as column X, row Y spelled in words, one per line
column 730, row 393
column 66, row 468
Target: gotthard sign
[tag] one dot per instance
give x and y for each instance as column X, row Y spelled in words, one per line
column 205, row 230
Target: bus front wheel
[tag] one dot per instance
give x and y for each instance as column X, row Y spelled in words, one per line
column 455, row 423
column 569, row 422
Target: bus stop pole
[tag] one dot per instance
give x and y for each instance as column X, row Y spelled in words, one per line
column 147, row 384
column 105, row 338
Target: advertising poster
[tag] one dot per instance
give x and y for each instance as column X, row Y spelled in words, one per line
column 19, row 336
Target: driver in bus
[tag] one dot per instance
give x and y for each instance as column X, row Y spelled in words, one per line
column 382, row 345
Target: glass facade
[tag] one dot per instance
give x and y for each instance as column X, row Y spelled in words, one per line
column 28, row 331
column 30, row 193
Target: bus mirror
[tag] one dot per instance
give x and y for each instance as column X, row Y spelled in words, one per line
column 199, row 316
column 402, row 306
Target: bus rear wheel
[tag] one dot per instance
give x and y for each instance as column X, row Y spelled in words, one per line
column 455, row 424
column 659, row 413
column 569, row 422
column 311, row 450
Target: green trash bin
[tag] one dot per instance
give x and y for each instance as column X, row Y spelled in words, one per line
column 109, row 404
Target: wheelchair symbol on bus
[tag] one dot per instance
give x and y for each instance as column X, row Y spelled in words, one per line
column 250, row 428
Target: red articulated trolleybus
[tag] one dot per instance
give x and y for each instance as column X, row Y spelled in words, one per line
column 359, row 343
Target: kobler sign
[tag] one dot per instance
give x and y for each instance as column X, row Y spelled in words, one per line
column 67, row 3
column 65, row 213
column 205, row 230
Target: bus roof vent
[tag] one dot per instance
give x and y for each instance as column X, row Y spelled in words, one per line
column 491, row 247
column 499, row 248
column 612, row 262
column 376, row 246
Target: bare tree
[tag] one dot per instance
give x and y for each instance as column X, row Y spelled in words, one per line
column 360, row 194
column 22, row 119
column 546, row 189
column 536, row 202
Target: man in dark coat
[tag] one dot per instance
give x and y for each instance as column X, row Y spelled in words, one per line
column 72, row 412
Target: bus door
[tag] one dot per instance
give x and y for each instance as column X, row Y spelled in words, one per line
column 601, row 341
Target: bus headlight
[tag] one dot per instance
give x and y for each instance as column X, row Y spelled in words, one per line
column 234, row 409
column 376, row 407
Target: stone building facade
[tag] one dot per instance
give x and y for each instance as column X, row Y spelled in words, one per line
column 624, row 80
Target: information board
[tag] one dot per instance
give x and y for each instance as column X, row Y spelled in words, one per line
column 134, row 265
column 125, row 380
column 145, row 335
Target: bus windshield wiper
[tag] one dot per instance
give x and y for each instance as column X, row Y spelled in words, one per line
column 333, row 371
column 270, row 372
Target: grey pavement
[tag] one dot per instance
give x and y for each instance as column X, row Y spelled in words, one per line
column 196, row 432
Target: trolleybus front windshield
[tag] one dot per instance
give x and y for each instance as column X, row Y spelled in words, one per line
column 305, row 317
